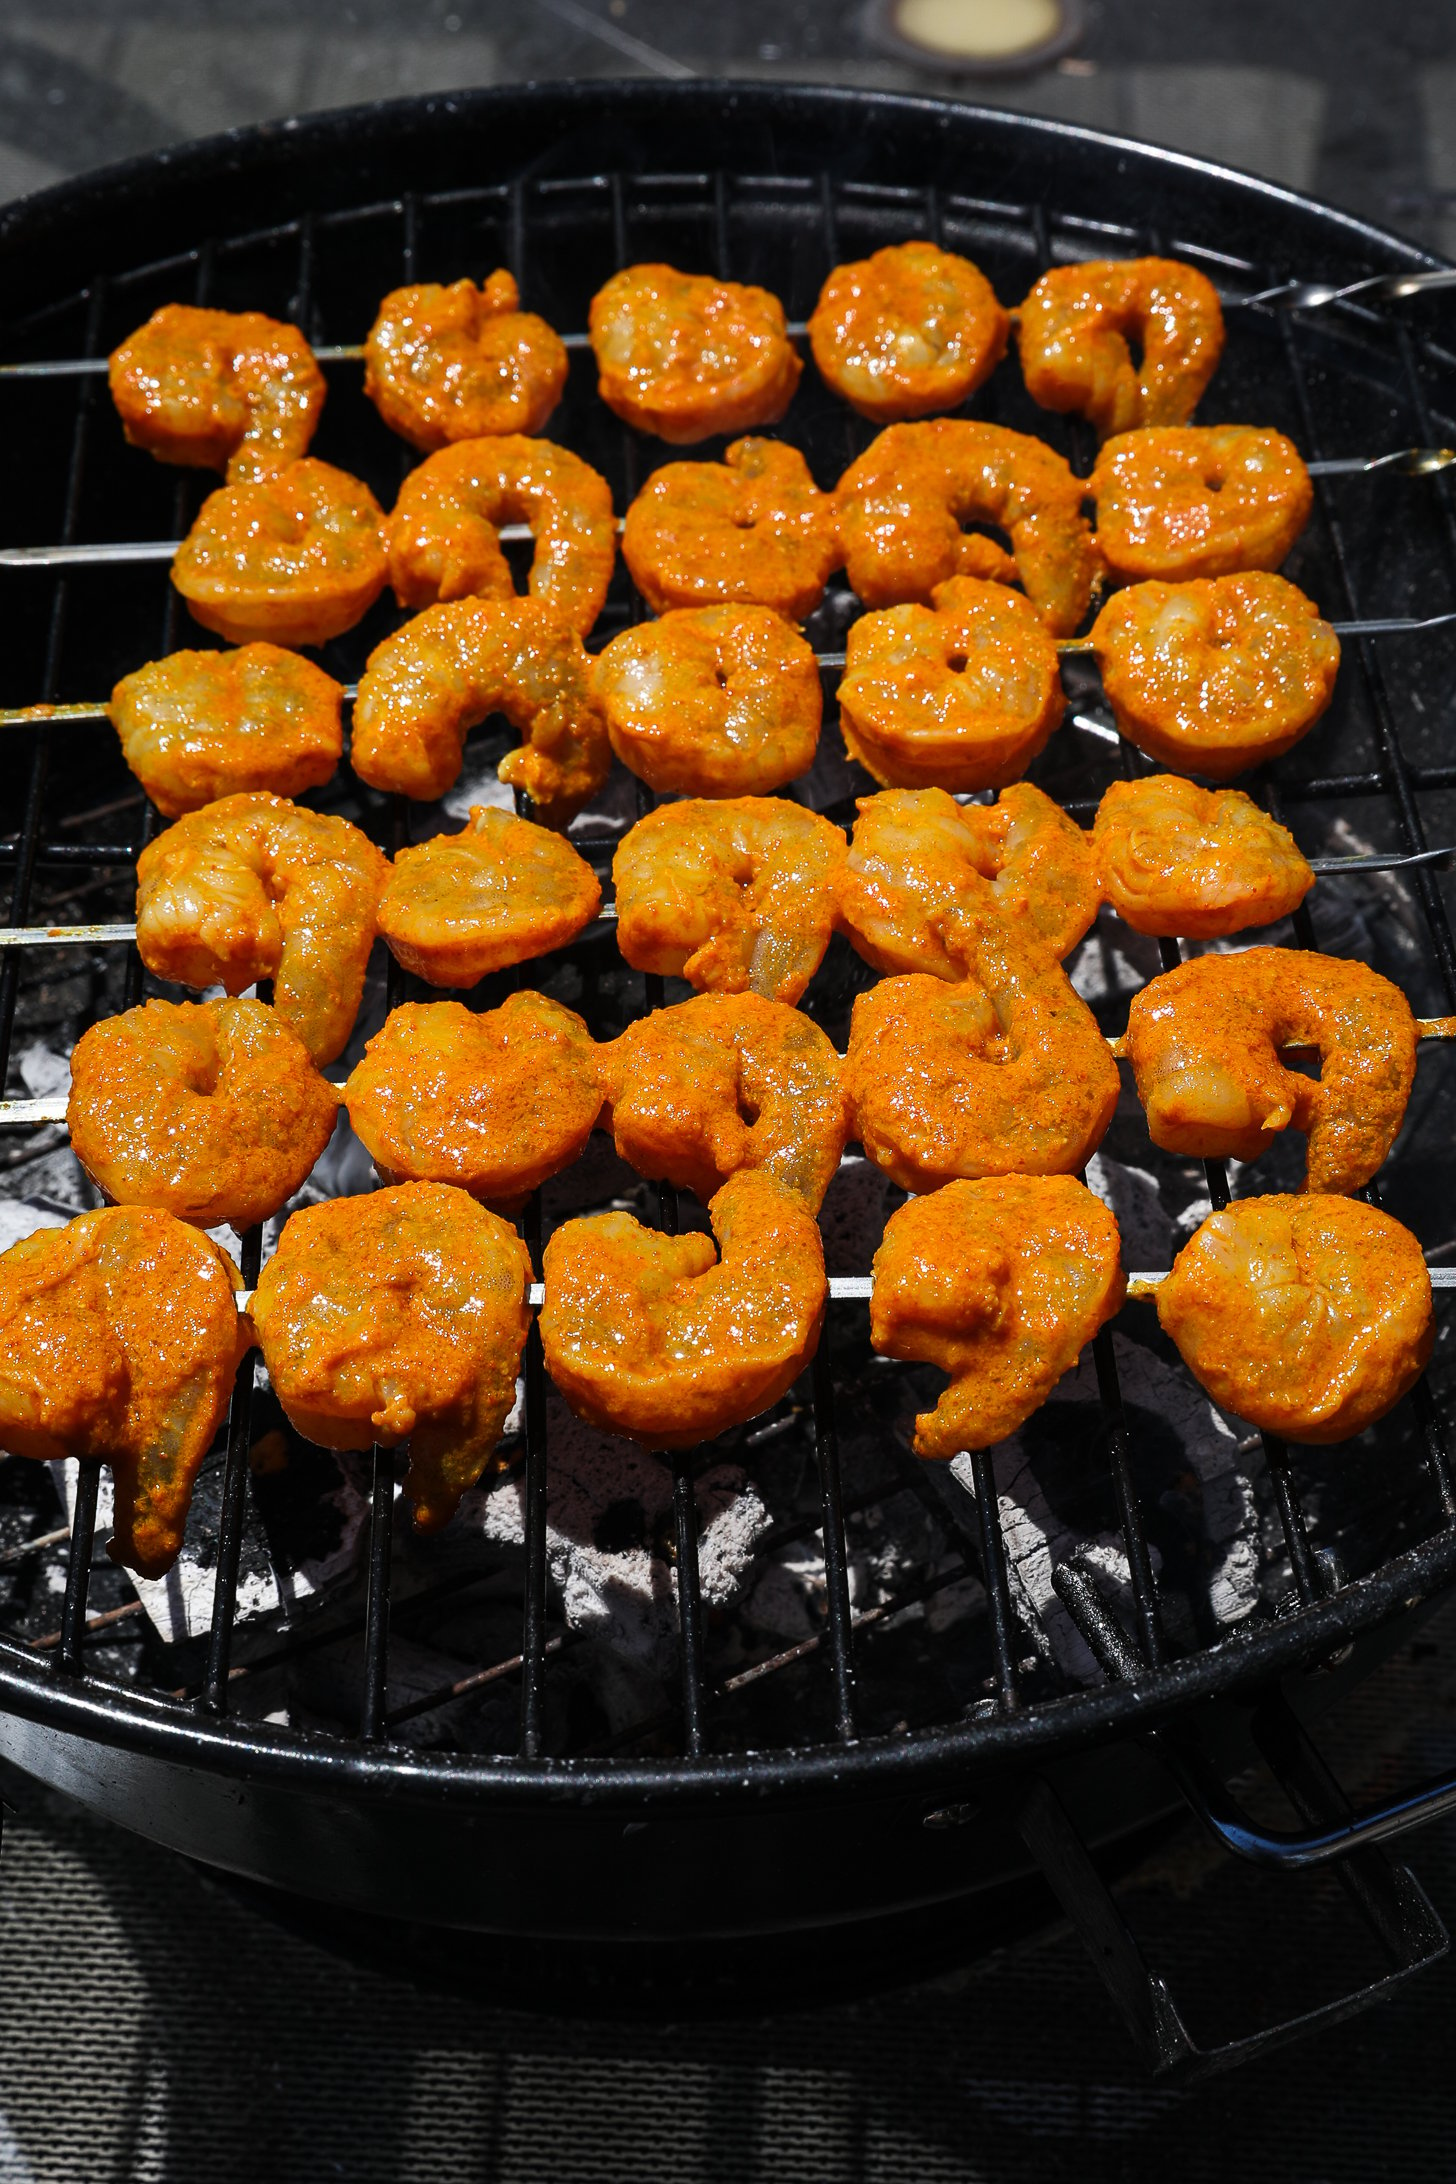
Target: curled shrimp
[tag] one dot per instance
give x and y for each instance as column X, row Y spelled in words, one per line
column 451, row 363
column 906, row 332
column 1004, row 1073
column 425, row 687
column 902, row 505
column 1177, row 859
column 1078, row 327
column 1216, row 675
column 399, row 1316
column 712, row 701
column 218, row 390
column 734, row 896
column 199, row 725
column 296, row 556
column 442, row 537
column 119, row 1339
column 961, row 694
column 924, row 872
column 500, row 891
column 654, row 1337
column 255, row 887
column 213, row 1112
column 723, row 1082
column 684, row 356
column 753, row 530
column 1205, row 1045
column 1309, row 1317
column 1181, row 501
column 1001, row 1283
column 495, row 1103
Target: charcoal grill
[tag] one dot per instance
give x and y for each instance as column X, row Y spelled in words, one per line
column 735, row 1813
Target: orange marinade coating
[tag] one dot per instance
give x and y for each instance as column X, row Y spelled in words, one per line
column 1205, row 1045
column 1200, row 863
column 658, row 1338
column 296, row 557
column 752, row 530
column 1309, row 1317
column 218, row 390
column 196, row 726
column 1000, row 1283
column 685, row 357
column 212, row 1111
column 452, row 363
column 1077, row 328
column 495, row 1102
column 119, row 1339
column 1182, row 501
column 499, row 892
column 399, row 1316
column 908, row 331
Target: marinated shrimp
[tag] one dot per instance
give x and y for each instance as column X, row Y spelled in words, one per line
column 1177, row 859
column 924, row 873
column 961, row 694
column 442, row 537
column 908, row 331
column 119, row 1339
column 1216, row 675
column 1198, row 500
column 655, row 1337
column 753, row 530
column 1002, row 1284
column 1078, row 329
column 724, row 1082
column 399, row 1316
column 296, row 557
column 1205, row 1045
column 212, row 1112
column 495, row 1103
column 452, row 363
column 712, row 701
column 500, row 891
column 734, row 896
column 255, row 887
column 218, row 390
column 684, row 356
column 199, row 725
column 1309, row 1317
column 425, row 687
column 902, row 505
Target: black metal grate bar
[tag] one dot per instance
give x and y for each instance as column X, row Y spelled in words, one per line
column 836, row 1554
column 533, row 1632
column 376, row 1612
column 997, row 1581
column 234, row 1498
column 78, row 1566
column 689, row 1598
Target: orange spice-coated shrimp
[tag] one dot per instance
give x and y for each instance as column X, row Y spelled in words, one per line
column 296, row 557
column 1177, row 859
column 684, row 356
column 199, row 725
column 1309, row 1317
column 442, row 532
column 218, row 390
column 734, row 896
column 255, row 887
column 119, row 1339
column 961, row 694
column 445, row 364
column 723, row 1082
column 651, row 1336
column 399, row 1316
column 1215, row 675
column 1000, row 1283
column 495, row 1103
column 752, row 530
column 1204, row 1041
column 907, row 332
column 425, row 687
column 901, row 507
column 500, row 891
column 1180, row 501
column 712, row 701
column 924, row 872
column 1075, row 328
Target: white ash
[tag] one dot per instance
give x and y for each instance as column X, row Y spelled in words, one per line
column 45, row 1074
column 21, row 1217
column 1143, row 1221
column 1101, row 967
